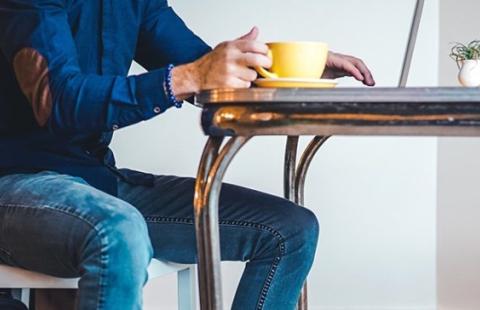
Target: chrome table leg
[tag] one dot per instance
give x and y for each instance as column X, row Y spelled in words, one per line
column 303, row 166
column 212, row 168
column 294, row 183
column 290, row 168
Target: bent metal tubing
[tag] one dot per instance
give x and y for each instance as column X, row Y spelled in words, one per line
column 294, row 183
column 213, row 166
column 304, row 165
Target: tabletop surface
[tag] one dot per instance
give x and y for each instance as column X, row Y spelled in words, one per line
column 342, row 111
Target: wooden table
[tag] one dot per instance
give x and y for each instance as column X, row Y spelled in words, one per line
column 239, row 115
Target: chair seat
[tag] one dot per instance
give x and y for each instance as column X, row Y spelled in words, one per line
column 11, row 277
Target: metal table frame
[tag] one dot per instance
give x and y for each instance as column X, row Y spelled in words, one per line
column 242, row 114
column 213, row 166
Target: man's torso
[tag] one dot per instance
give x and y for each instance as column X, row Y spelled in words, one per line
column 105, row 33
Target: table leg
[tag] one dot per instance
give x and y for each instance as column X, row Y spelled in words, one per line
column 294, row 183
column 303, row 166
column 212, row 168
column 290, row 168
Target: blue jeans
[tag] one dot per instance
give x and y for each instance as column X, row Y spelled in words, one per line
column 59, row 225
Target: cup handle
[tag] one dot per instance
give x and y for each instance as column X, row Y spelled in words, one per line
column 264, row 72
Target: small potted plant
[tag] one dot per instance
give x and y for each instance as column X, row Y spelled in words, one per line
column 467, row 58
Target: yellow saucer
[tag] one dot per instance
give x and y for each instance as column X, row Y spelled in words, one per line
column 295, row 83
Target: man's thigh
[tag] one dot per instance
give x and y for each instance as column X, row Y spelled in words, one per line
column 44, row 218
column 247, row 218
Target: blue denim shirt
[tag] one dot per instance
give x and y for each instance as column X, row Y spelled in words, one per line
column 63, row 81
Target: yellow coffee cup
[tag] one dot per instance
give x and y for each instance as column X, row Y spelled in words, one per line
column 304, row 60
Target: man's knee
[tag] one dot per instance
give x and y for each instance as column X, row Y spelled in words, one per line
column 301, row 229
column 293, row 230
column 121, row 242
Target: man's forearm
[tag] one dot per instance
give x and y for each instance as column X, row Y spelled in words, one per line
column 229, row 65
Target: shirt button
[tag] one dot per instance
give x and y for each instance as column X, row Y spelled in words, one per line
column 115, row 127
column 157, row 110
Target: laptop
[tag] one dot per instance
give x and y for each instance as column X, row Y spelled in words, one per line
column 412, row 40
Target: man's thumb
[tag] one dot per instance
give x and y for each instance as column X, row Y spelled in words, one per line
column 251, row 35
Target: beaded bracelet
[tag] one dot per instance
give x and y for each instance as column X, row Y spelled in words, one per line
column 169, row 89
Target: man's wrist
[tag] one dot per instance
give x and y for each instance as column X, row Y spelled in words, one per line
column 172, row 98
column 185, row 81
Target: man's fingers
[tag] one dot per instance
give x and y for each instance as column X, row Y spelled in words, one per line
column 251, row 35
column 235, row 82
column 368, row 78
column 247, row 74
column 256, row 60
column 248, row 46
column 350, row 68
column 344, row 65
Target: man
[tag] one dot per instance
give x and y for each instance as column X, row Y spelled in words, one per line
column 67, row 211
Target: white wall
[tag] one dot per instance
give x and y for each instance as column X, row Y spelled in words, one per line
column 375, row 197
column 458, row 174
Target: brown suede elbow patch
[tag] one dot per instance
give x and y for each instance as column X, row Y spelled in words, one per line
column 31, row 70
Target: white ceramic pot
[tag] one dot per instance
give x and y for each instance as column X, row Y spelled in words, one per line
column 469, row 75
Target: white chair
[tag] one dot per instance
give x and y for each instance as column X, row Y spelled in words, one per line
column 21, row 281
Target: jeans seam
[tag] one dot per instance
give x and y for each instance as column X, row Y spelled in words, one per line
column 268, row 281
column 103, row 240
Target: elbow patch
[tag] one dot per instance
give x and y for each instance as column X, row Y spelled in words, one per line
column 31, row 70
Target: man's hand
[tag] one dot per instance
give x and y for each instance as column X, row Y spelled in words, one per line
column 229, row 65
column 339, row 65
